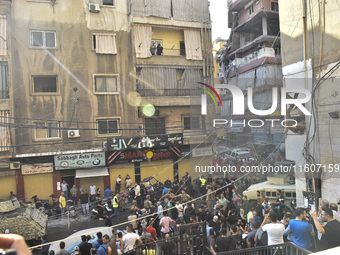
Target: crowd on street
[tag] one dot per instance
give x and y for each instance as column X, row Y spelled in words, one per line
column 229, row 219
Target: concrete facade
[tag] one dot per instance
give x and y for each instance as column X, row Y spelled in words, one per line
column 252, row 60
column 310, row 53
column 72, row 66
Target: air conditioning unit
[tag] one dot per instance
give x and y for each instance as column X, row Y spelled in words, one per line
column 73, row 133
column 94, row 7
column 14, row 165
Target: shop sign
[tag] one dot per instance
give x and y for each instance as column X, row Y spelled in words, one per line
column 141, row 142
column 81, row 160
column 131, row 156
column 201, row 152
column 37, row 168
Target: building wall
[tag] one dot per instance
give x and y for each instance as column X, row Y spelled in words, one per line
column 97, row 181
column 74, row 62
column 123, row 170
column 161, row 170
column 322, row 53
column 38, row 184
column 262, row 4
column 7, row 184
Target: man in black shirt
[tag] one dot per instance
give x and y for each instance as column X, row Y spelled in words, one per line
column 167, row 183
column 168, row 247
column 84, row 200
column 221, row 241
column 330, row 232
column 85, row 247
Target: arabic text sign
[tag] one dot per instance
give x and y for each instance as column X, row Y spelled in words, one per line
column 37, row 168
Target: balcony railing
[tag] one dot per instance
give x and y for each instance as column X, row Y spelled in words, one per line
column 280, row 249
column 169, row 92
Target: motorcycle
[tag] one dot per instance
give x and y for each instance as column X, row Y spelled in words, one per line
column 70, row 208
column 56, row 208
column 105, row 207
column 42, row 203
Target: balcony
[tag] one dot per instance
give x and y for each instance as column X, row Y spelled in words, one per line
column 169, row 92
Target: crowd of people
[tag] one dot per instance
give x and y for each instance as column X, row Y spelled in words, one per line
column 230, row 221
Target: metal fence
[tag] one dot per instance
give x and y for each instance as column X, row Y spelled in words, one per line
column 186, row 241
column 280, row 249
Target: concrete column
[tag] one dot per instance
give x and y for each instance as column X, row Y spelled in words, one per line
column 242, row 39
column 264, row 26
column 106, row 180
column 20, row 185
column 56, row 177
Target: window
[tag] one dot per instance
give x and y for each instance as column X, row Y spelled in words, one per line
column 5, row 135
column 250, row 9
column 105, row 84
column 108, row 126
column 274, row 6
column 43, row 39
column 3, row 35
column 109, row 2
column 154, row 126
column 267, row 194
column 273, row 194
column 288, row 194
column 47, row 130
column 44, row 84
column 191, row 123
column 104, row 43
column 4, row 90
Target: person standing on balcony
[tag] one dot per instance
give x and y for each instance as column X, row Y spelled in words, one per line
column 153, row 49
column 159, row 49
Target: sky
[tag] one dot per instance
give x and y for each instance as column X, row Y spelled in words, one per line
column 219, row 19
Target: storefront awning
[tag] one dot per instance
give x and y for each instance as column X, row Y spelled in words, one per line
column 92, row 172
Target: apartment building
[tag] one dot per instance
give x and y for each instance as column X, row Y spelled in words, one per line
column 252, row 59
column 82, row 92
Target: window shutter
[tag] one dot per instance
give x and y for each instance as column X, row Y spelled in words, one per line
column 3, row 36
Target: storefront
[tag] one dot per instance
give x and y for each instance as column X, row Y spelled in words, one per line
column 142, row 157
column 37, row 180
column 7, row 183
column 82, row 169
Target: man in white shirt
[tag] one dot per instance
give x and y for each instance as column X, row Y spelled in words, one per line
column 93, row 192
column 274, row 229
column 64, row 188
column 137, row 195
column 131, row 239
column 118, row 183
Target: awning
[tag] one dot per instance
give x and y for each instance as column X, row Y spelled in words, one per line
column 92, row 172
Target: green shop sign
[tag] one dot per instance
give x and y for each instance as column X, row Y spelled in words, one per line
column 83, row 160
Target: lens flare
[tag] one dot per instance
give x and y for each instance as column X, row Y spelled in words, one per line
column 148, row 110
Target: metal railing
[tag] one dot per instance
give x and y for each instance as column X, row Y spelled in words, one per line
column 169, row 92
column 280, row 249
